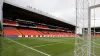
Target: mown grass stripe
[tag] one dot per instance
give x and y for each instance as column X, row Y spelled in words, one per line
column 46, row 45
column 29, row 47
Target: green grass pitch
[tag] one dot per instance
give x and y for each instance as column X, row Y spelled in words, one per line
column 34, row 46
column 51, row 46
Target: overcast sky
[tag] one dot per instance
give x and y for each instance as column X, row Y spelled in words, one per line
column 64, row 9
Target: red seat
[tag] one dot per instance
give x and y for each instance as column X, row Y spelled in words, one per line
column 28, row 31
column 9, row 21
column 10, row 31
column 41, row 26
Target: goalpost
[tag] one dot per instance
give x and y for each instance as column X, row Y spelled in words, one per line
column 83, row 36
column 84, row 43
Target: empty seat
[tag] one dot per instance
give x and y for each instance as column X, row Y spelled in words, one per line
column 9, row 21
column 28, row 31
column 10, row 31
column 41, row 26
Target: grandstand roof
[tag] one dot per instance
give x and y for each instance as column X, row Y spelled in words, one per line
column 31, row 15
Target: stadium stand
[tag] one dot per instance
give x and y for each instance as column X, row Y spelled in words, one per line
column 41, row 26
column 97, row 34
column 59, row 28
column 31, row 24
column 56, row 33
column 7, row 21
column 51, row 27
column 11, row 32
column 22, row 23
column 29, row 32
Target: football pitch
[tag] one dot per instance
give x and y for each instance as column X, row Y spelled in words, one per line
column 48, row 46
column 37, row 46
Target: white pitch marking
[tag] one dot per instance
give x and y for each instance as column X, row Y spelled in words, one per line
column 29, row 47
column 46, row 45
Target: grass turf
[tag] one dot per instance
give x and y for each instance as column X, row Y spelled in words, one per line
column 51, row 46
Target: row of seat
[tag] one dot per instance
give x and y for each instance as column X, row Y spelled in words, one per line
column 9, row 31
column 41, row 26
column 28, row 31
column 96, row 34
column 28, row 24
column 9, row 21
